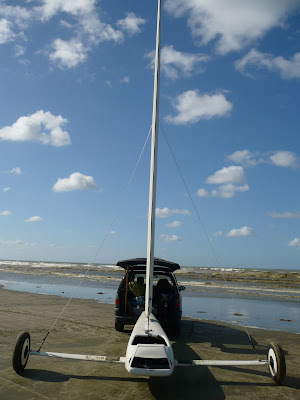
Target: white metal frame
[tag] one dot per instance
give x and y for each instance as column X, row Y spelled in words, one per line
column 122, row 360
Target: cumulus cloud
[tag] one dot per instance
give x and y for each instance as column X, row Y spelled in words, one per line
column 192, row 106
column 202, row 193
column 131, row 24
column 288, row 69
column 41, row 126
column 295, row 242
column 232, row 174
column 68, row 54
column 280, row 158
column 36, row 218
column 16, row 170
column 244, row 231
column 167, row 212
column 174, row 224
column 245, row 158
column 6, row 32
column 286, row 214
column 230, row 180
column 175, row 63
column 284, row 159
column 231, row 25
column 81, row 17
column 172, row 238
column 228, row 191
column 76, row 181
column 5, row 213
column 50, row 8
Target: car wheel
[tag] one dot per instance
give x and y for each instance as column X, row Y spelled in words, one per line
column 119, row 326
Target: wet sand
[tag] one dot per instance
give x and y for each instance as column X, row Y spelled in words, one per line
column 87, row 327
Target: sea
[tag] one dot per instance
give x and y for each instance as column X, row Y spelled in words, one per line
column 262, row 298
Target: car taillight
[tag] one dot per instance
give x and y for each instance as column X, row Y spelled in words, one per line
column 117, row 301
column 177, row 304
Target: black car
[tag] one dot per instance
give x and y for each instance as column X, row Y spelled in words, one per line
column 130, row 298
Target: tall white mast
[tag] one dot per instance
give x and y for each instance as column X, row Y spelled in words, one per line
column 153, row 173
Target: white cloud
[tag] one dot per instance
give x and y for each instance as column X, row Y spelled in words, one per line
column 172, row 238
column 17, row 15
column 68, row 54
column 19, row 50
column 131, row 24
column 280, row 158
column 232, row 174
column 41, row 126
column 5, row 213
column 174, row 63
column 7, row 189
column 230, row 180
column 192, row 106
column 81, row 17
column 286, row 214
column 174, row 224
column 229, row 190
column 218, row 233
column 126, row 79
column 295, row 243
column 231, row 24
column 6, row 33
column 36, row 218
column 16, row 170
column 245, row 158
column 50, row 8
column 76, row 181
column 16, row 243
column 284, row 159
column 288, row 69
column 166, row 212
column 244, row 231
column 202, row 193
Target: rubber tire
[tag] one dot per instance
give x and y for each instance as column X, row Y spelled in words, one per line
column 119, row 326
column 277, row 365
column 20, row 354
column 176, row 329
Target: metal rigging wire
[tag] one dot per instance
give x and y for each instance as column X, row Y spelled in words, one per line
column 101, row 245
column 207, row 238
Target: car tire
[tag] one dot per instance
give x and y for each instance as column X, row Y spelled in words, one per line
column 119, row 326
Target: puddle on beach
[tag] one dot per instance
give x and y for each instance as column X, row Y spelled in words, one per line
column 276, row 315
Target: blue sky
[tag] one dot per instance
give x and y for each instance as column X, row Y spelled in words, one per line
column 76, row 82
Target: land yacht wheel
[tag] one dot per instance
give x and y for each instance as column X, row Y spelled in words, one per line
column 277, row 365
column 21, row 352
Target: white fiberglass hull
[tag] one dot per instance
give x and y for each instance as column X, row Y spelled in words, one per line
column 149, row 352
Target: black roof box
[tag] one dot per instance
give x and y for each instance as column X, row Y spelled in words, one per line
column 134, row 262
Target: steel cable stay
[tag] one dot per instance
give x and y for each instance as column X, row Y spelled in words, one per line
column 101, row 244
column 208, row 240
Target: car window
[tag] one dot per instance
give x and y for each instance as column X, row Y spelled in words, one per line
column 158, row 277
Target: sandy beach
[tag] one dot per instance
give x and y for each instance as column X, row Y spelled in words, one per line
column 86, row 327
